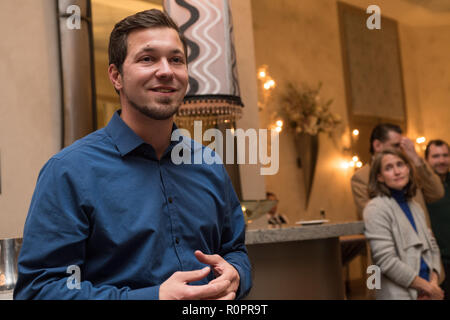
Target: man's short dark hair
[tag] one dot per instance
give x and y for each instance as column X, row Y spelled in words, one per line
column 381, row 132
column 437, row 143
column 145, row 19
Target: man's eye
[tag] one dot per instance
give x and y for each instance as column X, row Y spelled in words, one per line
column 146, row 59
column 177, row 60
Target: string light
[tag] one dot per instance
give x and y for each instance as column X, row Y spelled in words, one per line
column 355, row 132
column 421, row 140
column 278, row 126
column 355, row 162
column 262, row 72
column 420, row 144
column 269, row 84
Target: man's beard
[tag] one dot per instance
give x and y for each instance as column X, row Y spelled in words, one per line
column 165, row 110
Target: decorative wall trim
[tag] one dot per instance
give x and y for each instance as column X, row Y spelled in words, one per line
column 76, row 59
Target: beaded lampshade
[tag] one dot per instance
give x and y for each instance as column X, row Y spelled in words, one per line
column 213, row 93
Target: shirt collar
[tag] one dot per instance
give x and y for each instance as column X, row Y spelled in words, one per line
column 125, row 139
column 399, row 195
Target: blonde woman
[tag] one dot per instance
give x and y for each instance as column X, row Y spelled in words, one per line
column 400, row 241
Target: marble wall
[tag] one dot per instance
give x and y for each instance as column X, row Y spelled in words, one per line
column 299, row 41
column 30, row 119
column 427, row 75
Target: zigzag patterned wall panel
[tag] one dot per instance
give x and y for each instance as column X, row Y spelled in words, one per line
column 213, row 79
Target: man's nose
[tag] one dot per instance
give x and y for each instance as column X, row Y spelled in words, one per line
column 164, row 69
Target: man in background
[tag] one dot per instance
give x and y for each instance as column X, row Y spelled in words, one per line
column 385, row 136
column 437, row 156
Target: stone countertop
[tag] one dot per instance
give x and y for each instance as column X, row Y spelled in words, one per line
column 6, row 295
column 299, row 233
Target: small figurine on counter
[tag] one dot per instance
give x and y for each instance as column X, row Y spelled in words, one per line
column 275, row 219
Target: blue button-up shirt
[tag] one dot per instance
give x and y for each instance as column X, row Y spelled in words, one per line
column 107, row 205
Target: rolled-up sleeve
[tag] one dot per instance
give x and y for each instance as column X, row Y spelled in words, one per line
column 430, row 183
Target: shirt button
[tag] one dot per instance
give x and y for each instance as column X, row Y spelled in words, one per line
column 170, row 200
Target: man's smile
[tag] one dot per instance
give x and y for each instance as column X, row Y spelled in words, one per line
column 163, row 89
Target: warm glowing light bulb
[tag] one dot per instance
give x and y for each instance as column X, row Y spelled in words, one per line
column 355, row 158
column 279, row 123
column 355, row 132
column 262, row 74
column 351, row 164
column 344, row 165
column 359, row 164
column 420, row 140
column 266, row 86
column 278, row 129
column 271, row 83
column 244, row 208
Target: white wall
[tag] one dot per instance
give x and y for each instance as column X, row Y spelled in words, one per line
column 30, row 107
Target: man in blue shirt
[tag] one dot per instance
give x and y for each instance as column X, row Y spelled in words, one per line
column 112, row 217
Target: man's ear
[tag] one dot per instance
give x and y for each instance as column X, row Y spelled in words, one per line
column 377, row 145
column 115, row 77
